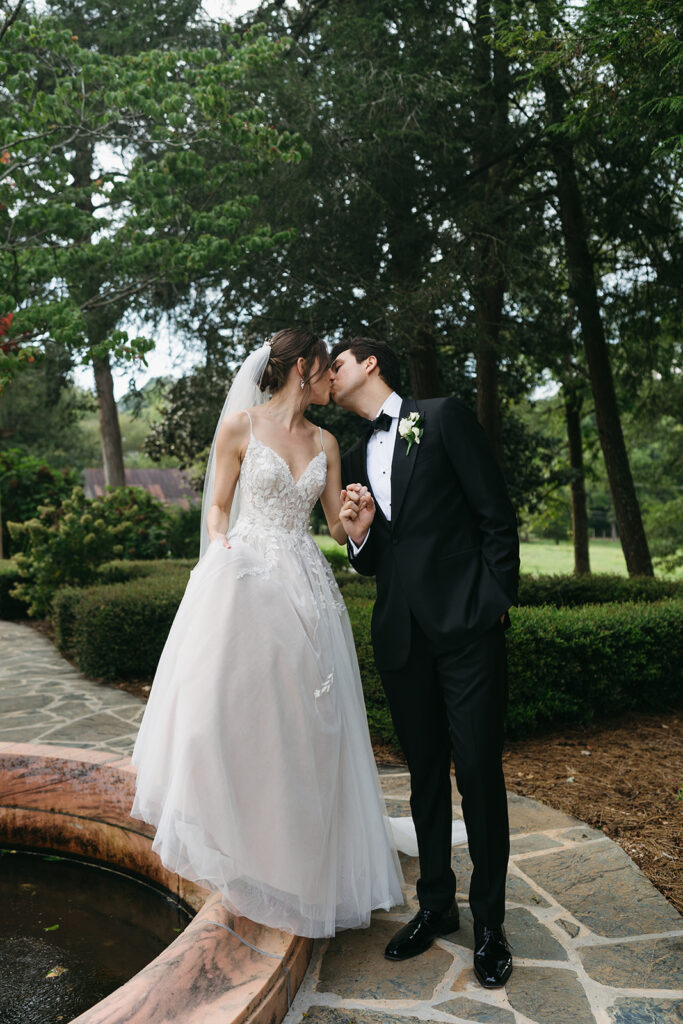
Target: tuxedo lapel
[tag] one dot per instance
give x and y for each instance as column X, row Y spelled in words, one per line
column 402, row 463
column 360, row 462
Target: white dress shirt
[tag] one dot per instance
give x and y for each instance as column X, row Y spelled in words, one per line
column 380, row 452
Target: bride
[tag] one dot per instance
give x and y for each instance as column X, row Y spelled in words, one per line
column 253, row 757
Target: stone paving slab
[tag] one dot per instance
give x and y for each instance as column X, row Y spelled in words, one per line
column 603, row 889
column 44, row 699
column 646, row 1011
column 644, row 963
column 474, row 1009
column 594, row 942
column 549, row 995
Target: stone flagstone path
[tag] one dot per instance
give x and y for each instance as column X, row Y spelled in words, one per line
column 593, row 940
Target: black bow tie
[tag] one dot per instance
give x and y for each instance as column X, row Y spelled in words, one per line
column 383, row 422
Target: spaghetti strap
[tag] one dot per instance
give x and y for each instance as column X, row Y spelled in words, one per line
column 251, row 425
column 322, row 443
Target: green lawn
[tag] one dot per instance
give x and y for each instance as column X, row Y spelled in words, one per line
column 545, row 556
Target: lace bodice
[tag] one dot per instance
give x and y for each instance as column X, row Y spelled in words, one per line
column 274, row 517
column 269, row 494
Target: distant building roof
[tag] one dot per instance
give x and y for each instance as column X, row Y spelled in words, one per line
column 168, row 485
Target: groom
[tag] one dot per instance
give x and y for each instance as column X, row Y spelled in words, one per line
column 427, row 512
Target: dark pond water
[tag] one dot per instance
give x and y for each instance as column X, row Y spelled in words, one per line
column 72, row 932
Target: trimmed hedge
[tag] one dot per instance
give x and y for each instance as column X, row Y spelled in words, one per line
column 599, row 588
column 118, row 630
column 559, row 591
column 10, row 607
column 581, row 664
column 123, row 570
column 566, row 665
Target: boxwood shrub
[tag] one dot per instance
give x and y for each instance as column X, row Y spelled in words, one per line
column 581, row 664
column 118, row 630
column 560, row 590
column 10, row 607
column 565, row 665
column 599, row 588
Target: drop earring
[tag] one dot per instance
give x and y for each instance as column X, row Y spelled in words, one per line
column 302, row 383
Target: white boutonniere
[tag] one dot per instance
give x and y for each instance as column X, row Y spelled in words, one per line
column 411, row 429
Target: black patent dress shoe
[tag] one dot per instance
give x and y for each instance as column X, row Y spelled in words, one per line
column 417, row 936
column 492, row 956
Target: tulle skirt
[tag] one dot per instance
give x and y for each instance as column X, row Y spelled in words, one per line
column 253, row 757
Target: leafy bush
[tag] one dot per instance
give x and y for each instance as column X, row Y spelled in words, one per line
column 574, row 665
column 560, row 590
column 120, row 571
column 64, row 544
column 664, row 526
column 338, row 559
column 10, row 607
column 25, row 484
column 599, row 588
column 117, row 631
column 183, row 531
column 565, row 664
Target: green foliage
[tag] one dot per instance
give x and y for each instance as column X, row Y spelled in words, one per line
column 566, row 664
column 598, row 588
column 379, row 719
column 10, row 607
column 64, row 544
column 189, row 411
column 26, row 482
column 41, row 414
column 559, row 590
column 576, row 665
column 83, row 243
column 182, row 533
column 118, row 630
column 664, row 524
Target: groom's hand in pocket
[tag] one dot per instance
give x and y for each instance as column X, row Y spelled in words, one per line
column 357, row 512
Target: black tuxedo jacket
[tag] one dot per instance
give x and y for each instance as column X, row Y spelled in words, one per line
column 450, row 554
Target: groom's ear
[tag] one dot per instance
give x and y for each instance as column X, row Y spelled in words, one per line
column 370, row 364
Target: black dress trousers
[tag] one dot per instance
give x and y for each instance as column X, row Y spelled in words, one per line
column 450, row 704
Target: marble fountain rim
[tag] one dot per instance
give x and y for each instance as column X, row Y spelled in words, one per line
column 75, row 801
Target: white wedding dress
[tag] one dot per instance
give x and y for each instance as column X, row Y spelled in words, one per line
column 254, row 760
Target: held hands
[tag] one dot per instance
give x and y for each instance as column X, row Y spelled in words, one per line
column 357, row 512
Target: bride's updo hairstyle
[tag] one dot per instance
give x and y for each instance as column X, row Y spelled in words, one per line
column 288, row 346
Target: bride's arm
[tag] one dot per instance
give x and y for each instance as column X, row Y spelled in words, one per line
column 330, row 496
column 230, row 444
column 332, row 503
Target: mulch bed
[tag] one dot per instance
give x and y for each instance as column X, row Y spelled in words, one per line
column 624, row 776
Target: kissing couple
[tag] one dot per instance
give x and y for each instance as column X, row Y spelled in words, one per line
column 253, row 758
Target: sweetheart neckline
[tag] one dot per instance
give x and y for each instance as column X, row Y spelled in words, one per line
column 284, row 461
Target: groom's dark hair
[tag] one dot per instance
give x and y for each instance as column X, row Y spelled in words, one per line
column 387, row 360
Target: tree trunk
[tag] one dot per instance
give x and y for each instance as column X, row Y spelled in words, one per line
column 98, row 326
column 572, row 407
column 583, row 291
column 488, row 407
column 425, row 379
column 110, row 434
column 491, row 72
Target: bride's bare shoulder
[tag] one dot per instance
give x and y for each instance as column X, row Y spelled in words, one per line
column 234, row 429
